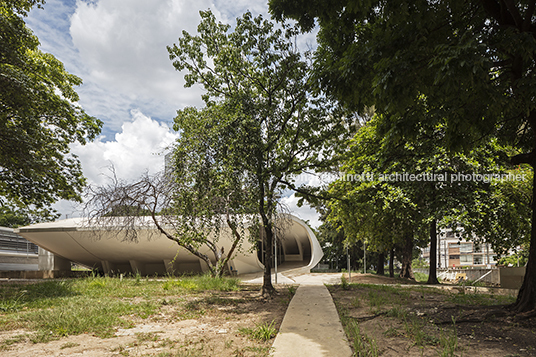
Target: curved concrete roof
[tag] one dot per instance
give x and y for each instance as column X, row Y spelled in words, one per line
column 105, row 247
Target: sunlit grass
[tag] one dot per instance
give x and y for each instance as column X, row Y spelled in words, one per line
column 95, row 305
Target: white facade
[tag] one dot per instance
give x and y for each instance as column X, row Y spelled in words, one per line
column 105, row 248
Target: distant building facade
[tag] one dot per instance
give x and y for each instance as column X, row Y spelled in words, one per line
column 16, row 253
column 454, row 251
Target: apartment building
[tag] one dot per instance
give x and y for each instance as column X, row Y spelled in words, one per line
column 454, row 251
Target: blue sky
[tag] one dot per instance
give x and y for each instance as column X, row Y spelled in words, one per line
column 118, row 48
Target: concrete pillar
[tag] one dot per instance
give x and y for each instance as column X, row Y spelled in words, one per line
column 49, row 261
column 107, row 266
column 137, row 267
column 170, row 269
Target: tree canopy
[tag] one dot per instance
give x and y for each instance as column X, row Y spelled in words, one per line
column 262, row 124
column 39, row 117
column 469, row 64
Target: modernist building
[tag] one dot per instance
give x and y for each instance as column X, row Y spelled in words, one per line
column 16, row 253
column 454, row 251
column 104, row 248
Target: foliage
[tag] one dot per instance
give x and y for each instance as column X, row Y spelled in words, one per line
column 39, row 117
column 98, row 305
column 518, row 259
column 14, row 217
column 261, row 127
column 467, row 65
column 264, row 331
column 394, row 195
column 419, row 263
column 504, row 213
column 150, row 202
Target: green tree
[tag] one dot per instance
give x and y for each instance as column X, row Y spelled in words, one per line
column 393, row 194
column 178, row 209
column 260, row 106
column 14, row 217
column 468, row 63
column 39, row 117
column 503, row 215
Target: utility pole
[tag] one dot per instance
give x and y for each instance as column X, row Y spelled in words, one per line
column 364, row 257
column 348, row 263
column 275, row 242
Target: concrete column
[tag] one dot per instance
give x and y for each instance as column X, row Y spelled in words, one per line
column 137, row 267
column 170, row 269
column 49, row 261
column 107, row 266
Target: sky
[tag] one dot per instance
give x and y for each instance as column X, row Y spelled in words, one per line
column 118, row 48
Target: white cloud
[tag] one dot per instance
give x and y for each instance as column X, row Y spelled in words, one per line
column 304, row 212
column 118, row 48
column 138, row 148
column 122, row 46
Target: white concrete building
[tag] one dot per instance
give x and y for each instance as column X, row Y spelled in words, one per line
column 103, row 248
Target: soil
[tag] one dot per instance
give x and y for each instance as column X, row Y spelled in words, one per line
column 215, row 328
column 480, row 330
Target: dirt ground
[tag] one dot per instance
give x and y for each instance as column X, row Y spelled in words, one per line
column 477, row 330
column 212, row 329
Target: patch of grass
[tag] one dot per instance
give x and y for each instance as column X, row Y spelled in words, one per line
column 292, row 290
column 96, row 305
column 415, row 329
column 203, row 283
column 82, row 315
column 391, row 332
column 11, row 341
column 257, row 350
column 147, row 336
column 262, row 332
column 218, row 300
column 480, row 299
column 377, row 299
column 420, row 277
column 448, row 341
column 69, row 345
column 356, row 302
column 363, row 345
column 344, row 283
column 398, row 312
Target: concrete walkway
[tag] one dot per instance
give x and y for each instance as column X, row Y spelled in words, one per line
column 311, row 326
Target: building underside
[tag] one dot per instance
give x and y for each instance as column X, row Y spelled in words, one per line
column 105, row 248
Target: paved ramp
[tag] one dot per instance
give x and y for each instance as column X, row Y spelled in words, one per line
column 311, row 326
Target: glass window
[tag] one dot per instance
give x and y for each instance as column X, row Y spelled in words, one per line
column 466, row 247
column 477, row 260
column 466, row 259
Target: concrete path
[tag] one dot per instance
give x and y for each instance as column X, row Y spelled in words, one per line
column 311, row 326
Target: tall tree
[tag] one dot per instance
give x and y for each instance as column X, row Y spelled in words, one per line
column 468, row 63
column 391, row 191
column 259, row 102
column 179, row 209
column 39, row 117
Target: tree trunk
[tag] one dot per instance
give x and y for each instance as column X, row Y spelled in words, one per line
column 381, row 263
column 407, row 254
column 526, row 298
column 432, row 273
column 392, row 263
column 267, row 287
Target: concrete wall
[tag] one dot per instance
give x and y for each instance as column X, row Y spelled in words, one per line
column 471, row 274
column 48, row 261
column 512, row 278
column 508, row 278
